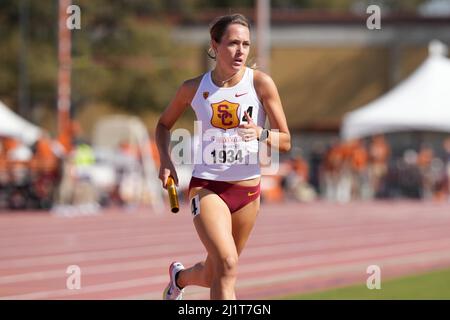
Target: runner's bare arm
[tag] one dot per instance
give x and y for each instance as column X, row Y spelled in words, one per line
column 269, row 97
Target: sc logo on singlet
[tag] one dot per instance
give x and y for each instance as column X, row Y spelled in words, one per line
column 225, row 114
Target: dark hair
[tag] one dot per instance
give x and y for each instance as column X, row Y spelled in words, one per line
column 220, row 24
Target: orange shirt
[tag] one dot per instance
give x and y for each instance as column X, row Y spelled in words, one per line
column 379, row 151
column 9, row 144
column 300, row 167
column 359, row 159
column 44, row 158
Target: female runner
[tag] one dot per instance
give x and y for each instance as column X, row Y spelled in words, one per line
column 231, row 102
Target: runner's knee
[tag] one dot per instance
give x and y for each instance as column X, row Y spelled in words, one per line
column 226, row 267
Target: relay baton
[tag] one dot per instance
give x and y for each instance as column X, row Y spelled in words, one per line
column 173, row 195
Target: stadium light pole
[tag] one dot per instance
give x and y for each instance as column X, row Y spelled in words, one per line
column 64, row 74
column 263, row 34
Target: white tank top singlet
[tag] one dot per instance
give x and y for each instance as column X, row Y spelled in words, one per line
column 220, row 153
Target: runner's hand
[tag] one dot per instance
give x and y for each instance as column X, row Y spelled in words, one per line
column 165, row 171
column 249, row 131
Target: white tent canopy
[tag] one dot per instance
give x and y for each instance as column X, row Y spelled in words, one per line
column 12, row 125
column 419, row 103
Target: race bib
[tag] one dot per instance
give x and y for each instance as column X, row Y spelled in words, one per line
column 228, row 148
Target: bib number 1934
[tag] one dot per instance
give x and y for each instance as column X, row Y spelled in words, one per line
column 227, row 156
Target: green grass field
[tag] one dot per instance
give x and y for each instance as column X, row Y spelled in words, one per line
column 433, row 285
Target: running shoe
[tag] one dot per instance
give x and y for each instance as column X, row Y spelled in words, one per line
column 172, row 291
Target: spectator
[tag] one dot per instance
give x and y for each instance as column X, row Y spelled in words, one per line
column 424, row 159
column 358, row 161
column 316, row 159
column 446, row 145
column 379, row 153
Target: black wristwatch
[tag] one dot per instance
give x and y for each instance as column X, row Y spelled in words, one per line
column 264, row 135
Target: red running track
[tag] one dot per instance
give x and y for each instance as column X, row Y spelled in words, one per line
column 293, row 248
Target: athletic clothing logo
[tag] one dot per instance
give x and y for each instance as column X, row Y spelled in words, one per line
column 205, row 94
column 225, row 114
column 237, row 95
column 252, row 193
